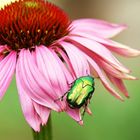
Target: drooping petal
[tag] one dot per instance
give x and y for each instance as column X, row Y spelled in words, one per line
column 28, row 109
column 121, row 49
column 75, row 114
column 93, row 72
column 111, row 45
column 43, row 112
column 96, row 49
column 117, row 71
column 43, row 67
column 119, row 84
column 7, row 68
column 68, row 75
column 34, row 83
column 114, row 72
column 78, row 61
column 67, row 61
column 53, row 72
column 103, row 79
column 76, row 64
column 100, row 27
column 52, row 61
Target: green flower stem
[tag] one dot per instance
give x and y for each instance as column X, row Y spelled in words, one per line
column 45, row 132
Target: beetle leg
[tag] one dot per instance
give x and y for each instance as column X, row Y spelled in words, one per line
column 82, row 116
column 89, row 99
column 83, row 113
column 61, row 98
column 85, row 108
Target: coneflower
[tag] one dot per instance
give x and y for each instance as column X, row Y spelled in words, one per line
column 47, row 51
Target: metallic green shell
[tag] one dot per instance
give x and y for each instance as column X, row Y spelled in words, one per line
column 80, row 92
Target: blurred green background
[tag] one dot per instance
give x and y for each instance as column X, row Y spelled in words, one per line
column 111, row 119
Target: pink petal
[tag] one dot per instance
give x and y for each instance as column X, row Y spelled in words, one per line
column 103, row 79
column 76, row 64
column 75, row 114
column 43, row 112
column 100, row 27
column 34, row 83
column 122, row 49
column 94, row 48
column 7, row 68
column 111, row 45
column 67, row 61
column 54, row 61
column 119, row 84
column 53, row 72
column 78, row 61
column 93, row 71
column 43, row 68
column 28, row 109
column 114, row 72
column 68, row 75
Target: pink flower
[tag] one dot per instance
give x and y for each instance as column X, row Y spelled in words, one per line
column 46, row 51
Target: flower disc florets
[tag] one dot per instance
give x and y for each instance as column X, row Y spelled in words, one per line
column 29, row 23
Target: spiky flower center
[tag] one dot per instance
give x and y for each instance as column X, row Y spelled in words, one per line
column 29, row 23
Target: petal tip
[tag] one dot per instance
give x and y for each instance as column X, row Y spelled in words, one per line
column 122, row 99
column 126, row 94
column 81, row 122
column 138, row 53
column 36, row 129
column 135, row 53
column 124, row 26
column 129, row 77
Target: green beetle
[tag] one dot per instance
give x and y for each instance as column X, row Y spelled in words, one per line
column 80, row 93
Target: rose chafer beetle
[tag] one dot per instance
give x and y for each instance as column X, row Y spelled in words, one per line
column 80, row 93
